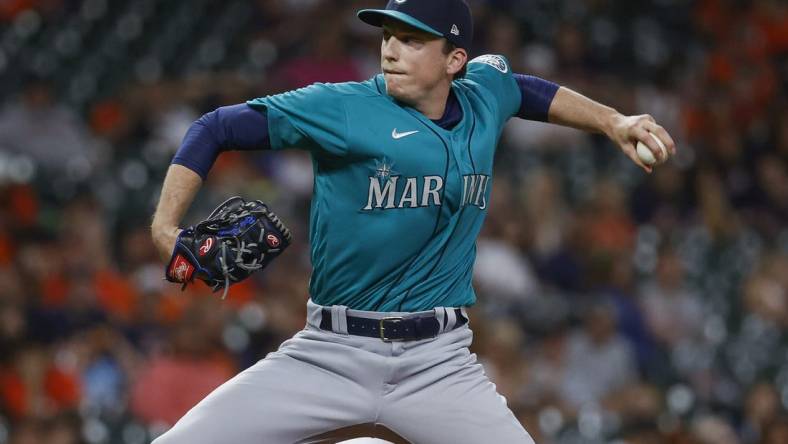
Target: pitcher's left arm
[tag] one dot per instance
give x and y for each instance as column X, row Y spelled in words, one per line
column 545, row 101
column 569, row 108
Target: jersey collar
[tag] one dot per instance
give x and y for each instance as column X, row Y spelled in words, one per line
column 380, row 83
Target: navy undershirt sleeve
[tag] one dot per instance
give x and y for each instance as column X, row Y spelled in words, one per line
column 236, row 127
column 537, row 95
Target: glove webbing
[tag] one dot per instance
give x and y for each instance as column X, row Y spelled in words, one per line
column 240, row 247
column 238, row 261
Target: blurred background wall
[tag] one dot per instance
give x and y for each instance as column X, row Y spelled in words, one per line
column 614, row 307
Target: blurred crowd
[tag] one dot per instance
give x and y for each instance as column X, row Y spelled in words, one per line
column 614, row 306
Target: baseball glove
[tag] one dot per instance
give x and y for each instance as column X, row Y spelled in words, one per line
column 237, row 239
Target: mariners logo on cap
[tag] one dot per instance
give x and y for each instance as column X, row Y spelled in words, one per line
column 455, row 30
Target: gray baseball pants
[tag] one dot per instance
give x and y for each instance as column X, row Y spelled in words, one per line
column 327, row 386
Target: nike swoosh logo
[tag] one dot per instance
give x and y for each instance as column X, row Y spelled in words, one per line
column 397, row 135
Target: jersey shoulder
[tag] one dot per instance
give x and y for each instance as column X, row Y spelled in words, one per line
column 490, row 77
column 319, row 94
column 342, row 91
column 366, row 88
column 490, row 70
column 314, row 117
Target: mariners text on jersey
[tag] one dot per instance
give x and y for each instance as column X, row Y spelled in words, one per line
column 386, row 194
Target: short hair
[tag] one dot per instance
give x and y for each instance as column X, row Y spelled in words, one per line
column 448, row 47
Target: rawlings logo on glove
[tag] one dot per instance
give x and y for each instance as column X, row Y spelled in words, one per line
column 206, row 246
column 237, row 239
column 180, row 269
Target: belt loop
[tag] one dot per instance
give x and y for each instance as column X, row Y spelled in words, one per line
column 452, row 319
column 314, row 314
column 339, row 319
column 440, row 314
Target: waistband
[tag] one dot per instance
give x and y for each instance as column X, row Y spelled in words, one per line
column 387, row 326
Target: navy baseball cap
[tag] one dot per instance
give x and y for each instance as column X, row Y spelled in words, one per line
column 444, row 18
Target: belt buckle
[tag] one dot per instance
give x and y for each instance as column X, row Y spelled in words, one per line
column 394, row 319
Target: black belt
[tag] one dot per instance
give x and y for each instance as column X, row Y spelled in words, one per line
column 394, row 328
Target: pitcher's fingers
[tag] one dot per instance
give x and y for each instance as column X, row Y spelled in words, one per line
column 664, row 136
column 648, row 118
column 643, row 136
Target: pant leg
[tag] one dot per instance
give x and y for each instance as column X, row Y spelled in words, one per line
column 440, row 394
column 312, row 385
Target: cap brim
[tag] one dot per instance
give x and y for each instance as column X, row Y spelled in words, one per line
column 375, row 17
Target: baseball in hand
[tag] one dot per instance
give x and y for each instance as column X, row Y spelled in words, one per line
column 645, row 154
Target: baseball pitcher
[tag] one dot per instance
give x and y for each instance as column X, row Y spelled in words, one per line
column 403, row 166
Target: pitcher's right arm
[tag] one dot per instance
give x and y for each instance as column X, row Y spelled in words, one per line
column 177, row 193
column 231, row 127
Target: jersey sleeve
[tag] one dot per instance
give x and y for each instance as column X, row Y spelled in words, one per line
column 311, row 118
column 494, row 75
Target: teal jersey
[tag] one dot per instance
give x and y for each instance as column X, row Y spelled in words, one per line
column 398, row 201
